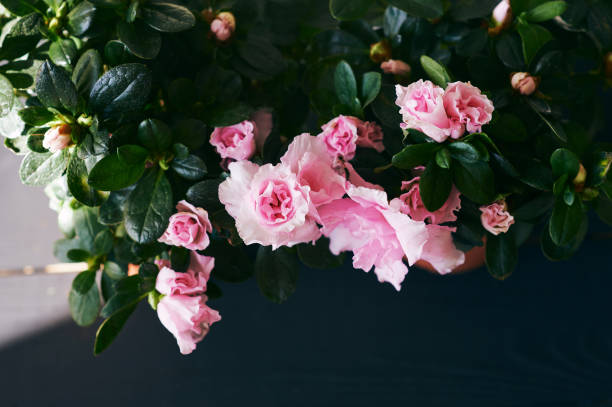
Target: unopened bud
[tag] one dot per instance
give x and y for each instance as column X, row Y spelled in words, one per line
column 223, row 26
column 502, row 17
column 57, row 138
column 54, row 24
column 580, row 178
column 524, row 83
column 380, row 51
column 395, row 67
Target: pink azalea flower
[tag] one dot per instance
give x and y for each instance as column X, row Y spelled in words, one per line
column 495, row 218
column 269, row 205
column 378, row 235
column 236, row 142
column 188, row 228
column 340, row 137
column 192, row 282
column 467, row 108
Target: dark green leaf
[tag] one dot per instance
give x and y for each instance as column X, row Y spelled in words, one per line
column 80, row 18
column 192, row 168
column 318, row 256
column 555, row 252
column 148, row 208
column 475, row 181
column 154, row 135
column 132, row 154
column 78, row 186
column 87, row 71
column 565, row 162
column 78, row 255
column 345, row 84
column 110, row 328
column 393, row 20
column 166, row 17
column 435, row 186
column 534, row 208
column 142, row 41
column 534, row 37
column 180, row 259
column 114, row 271
column 414, row 155
column 103, row 243
column 231, row 262
column 111, row 173
column 222, row 116
column 443, row 158
column 509, row 51
column 420, row 8
column 63, row 53
column 501, row 254
column 276, row 272
column 370, row 87
column 36, row 115
column 508, row 127
column 83, row 281
column 565, row 221
column 603, row 208
column 473, row 43
column 205, row 194
column 40, row 169
column 463, row 152
column 546, row 11
column 22, row 36
column 35, row 143
column 84, row 307
column 348, row 9
column 55, row 89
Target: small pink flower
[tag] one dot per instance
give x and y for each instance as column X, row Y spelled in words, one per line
column 57, row 138
column 396, row 67
column 192, row 282
column 340, row 137
column 524, row 83
column 466, row 108
column 370, row 135
column 308, row 159
column 223, row 26
column 264, row 123
column 188, row 228
column 236, row 142
column 188, row 318
column 412, row 204
column 269, row 205
column 495, row 218
column 422, row 108
column 378, row 235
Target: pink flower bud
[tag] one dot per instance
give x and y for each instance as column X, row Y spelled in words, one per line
column 502, row 13
column 223, row 26
column 395, row 67
column 57, row 138
column 495, row 218
column 524, row 83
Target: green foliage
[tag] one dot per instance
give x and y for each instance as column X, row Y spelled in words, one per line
column 276, row 272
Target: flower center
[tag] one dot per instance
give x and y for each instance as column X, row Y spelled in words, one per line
column 275, row 202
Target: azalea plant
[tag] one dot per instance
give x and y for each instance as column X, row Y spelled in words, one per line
column 184, row 143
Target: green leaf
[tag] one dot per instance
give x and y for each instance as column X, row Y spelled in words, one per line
column 148, row 208
column 77, row 180
column 19, row 7
column 132, row 11
column 192, row 168
column 116, row 53
column 87, row 71
column 103, row 243
column 142, row 41
column 535, row 174
column 78, row 255
column 414, row 155
column 222, row 116
column 435, row 186
column 114, row 271
column 564, row 162
column 565, row 221
column 122, row 90
column 345, row 84
column 55, row 89
column 318, row 256
column 345, row 10
column 473, row 43
column 205, row 194
column 84, row 308
column 393, row 20
column 276, row 272
column 420, row 8
column 22, row 36
column 112, row 173
column 132, row 154
column 80, row 18
column 508, row 127
column 124, row 298
column 546, row 11
column 154, row 135
column 475, row 181
column 232, row 264
column 259, row 59
column 35, row 143
column 534, row 37
column 63, row 53
column 40, row 169
column 509, row 51
column 463, row 152
column 166, row 17
column 534, row 208
column 555, row 252
column 443, row 158
column 501, row 254
column 7, row 96
column 83, row 281
column 384, row 107
column 603, row 208
column 436, row 72
column 110, row 328
column 36, row 115
column 370, row 87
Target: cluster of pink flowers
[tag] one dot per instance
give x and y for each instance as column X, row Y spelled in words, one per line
column 314, row 191
column 440, row 113
column 182, row 309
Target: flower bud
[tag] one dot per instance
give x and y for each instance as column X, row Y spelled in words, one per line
column 524, row 83
column 396, row 67
column 580, row 177
column 57, row 138
column 223, row 26
column 54, row 24
column 502, row 17
column 608, row 65
column 380, row 51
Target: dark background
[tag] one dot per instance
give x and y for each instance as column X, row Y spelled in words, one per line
column 541, row 338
